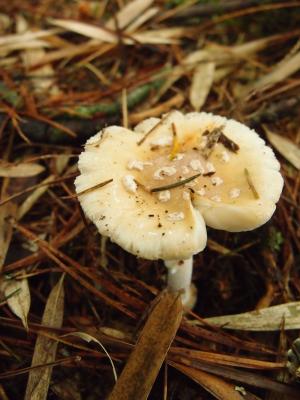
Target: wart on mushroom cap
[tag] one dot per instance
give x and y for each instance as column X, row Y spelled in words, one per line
column 172, row 174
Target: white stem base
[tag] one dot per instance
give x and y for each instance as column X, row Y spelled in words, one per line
column 180, row 278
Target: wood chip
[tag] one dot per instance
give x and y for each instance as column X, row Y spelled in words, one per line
column 150, row 351
column 45, row 348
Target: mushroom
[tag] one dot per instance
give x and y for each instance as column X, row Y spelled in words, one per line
column 154, row 189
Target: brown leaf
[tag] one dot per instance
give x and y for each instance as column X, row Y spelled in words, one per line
column 219, row 388
column 18, row 297
column 150, row 351
column 45, row 348
column 244, row 377
column 184, row 356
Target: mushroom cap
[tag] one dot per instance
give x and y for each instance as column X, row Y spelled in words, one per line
column 233, row 191
column 137, row 221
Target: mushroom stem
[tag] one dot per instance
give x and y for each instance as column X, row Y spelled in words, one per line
column 180, row 279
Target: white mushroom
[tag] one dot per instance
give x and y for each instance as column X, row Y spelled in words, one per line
column 151, row 212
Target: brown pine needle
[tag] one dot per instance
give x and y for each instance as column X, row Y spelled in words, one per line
column 250, row 183
column 175, row 184
column 124, row 108
column 99, row 185
column 175, row 142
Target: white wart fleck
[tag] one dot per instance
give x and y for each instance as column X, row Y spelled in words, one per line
column 176, row 216
column 210, row 167
column 129, row 183
column 160, row 173
column 164, row 196
column 162, row 141
column 225, row 156
column 178, row 157
column 135, row 164
column 200, row 192
column 216, row 181
column 234, row 193
column 196, row 166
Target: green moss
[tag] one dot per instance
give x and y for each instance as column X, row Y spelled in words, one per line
column 274, row 239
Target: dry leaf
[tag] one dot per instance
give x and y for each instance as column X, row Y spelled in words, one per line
column 45, row 348
column 150, row 351
column 285, row 147
column 219, row 388
column 129, row 13
column 17, row 293
column 61, row 162
column 20, row 170
column 281, row 71
column 96, row 33
column 42, row 78
column 202, row 81
column 25, row 37
column 7, row 211
column 142, row 18
column 112, row 332
column 89, row 338
column 186, row 356
column 265, row 319
column 245, row 378
column 88, row 30
column 33, row 197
